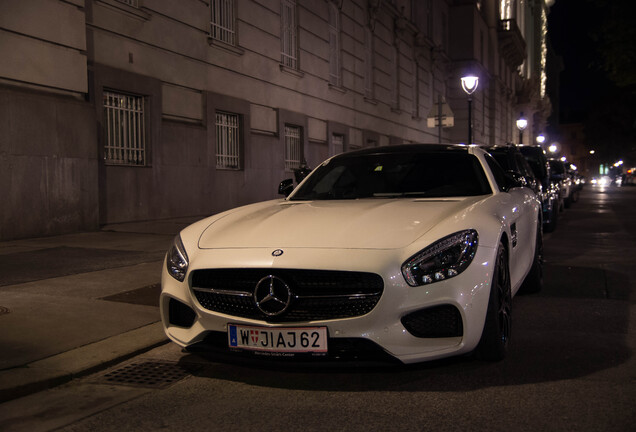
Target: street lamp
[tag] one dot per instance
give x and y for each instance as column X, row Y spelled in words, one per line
column 522, row 123
column 540, row 138
column 469, row 84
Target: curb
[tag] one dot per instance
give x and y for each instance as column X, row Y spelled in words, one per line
column 61, row 368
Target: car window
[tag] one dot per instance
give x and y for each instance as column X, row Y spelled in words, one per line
column 536, row 160
column 523, row 166
column 390, row 175
column 497, row 172
column 556, row 167
column 502, row 159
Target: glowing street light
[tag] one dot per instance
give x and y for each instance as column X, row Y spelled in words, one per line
column 553, row 148
column 540, row 138
column 469, row 84
column 522, row 124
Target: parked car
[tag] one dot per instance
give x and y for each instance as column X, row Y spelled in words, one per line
column 412, row 252
column 551, row 192
column 559, row 174
column 514, row 163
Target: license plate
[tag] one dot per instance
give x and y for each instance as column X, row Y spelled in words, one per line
column 278, row 340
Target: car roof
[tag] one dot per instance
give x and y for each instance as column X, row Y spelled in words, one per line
column 409, row 148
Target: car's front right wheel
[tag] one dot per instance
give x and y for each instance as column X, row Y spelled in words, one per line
column 495, row 337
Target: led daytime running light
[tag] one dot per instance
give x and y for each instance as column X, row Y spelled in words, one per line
column 442, row 260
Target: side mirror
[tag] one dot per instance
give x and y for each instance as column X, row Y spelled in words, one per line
column 286, row 187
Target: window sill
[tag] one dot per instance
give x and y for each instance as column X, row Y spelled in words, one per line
column 291, row 71
column 337, row 88
column 128, row 10
column 232, row 49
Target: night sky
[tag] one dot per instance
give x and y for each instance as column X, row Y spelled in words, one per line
column 593, row 37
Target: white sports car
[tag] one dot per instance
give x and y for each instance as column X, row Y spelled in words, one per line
column 409, row 252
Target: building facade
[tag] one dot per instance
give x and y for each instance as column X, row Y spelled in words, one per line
column 130, row 110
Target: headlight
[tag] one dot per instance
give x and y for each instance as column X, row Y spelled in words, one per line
column 443, row 259
column 177, row 260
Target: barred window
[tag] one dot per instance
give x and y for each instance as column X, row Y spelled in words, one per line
column 223, row 21
column 289, row 38
column 125, row 129
column 228, row 141
column 293, row 147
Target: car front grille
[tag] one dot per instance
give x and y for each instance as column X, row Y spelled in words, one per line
column 315, row 294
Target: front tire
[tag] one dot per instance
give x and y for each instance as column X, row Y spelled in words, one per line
column 495, row 337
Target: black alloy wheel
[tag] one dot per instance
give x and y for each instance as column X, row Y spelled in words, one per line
column 495, row 338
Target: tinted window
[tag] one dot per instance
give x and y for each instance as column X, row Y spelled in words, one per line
column 556, row 167
column 389, row 175
column 502, row 159
column 498, row 173
column 536, row 159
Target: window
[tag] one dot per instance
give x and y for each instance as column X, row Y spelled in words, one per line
column 228, row 141
column 289, row 39
column 369, row 91
column 395, row 85
column 335, row 69
column 125, row 141
column 223, row 21
column 337, row 144
column 293, row 147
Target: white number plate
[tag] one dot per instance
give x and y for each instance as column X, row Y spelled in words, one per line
column 278, row 339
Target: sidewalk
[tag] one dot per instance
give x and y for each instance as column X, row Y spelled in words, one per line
column 76, row 303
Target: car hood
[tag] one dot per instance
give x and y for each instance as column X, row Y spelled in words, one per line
column 358, row 224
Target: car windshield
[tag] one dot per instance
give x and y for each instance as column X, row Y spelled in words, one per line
column 399, row 174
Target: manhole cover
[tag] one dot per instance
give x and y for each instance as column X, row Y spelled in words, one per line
column 151, row 374
column 3, row 310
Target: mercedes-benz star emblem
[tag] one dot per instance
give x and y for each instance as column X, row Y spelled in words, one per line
column 272, row 295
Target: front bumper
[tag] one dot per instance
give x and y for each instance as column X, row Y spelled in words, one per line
column 397, row 325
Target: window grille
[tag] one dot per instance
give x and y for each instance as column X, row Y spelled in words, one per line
column 228, row 141
column 223, row 21
column 289, row 39
column 293, row 147
column 133, row 3
column 125, row 129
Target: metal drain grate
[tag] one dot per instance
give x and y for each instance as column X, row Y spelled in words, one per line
column 150, row 374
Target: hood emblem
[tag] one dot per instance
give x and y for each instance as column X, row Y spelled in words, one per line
column 272, row 295
column 277, row 252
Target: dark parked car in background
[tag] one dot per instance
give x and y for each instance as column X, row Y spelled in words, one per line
column 559, row 174
column 550, row 199
column 515, row 164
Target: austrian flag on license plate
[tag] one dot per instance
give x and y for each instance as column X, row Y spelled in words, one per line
column 278, row 339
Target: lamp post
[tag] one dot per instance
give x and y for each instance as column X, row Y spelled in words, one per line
column 469, row 84
column 522, row 123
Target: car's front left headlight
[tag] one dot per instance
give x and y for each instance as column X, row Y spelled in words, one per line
column 177, row 260
column 443, row 259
